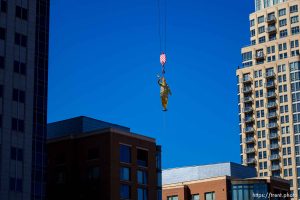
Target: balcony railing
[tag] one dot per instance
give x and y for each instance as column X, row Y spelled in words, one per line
column 275, row 167
column 272, row 115
column 259, row 55
column 248, row 119
column 249, row 129
column 247, row 89
column 249, row 150
column 248, row 99
column 246, row 79
column 270, row 74
column 271, row 29
column 273, row 136
column 270, row 84
column 274, row 157
column 271, row 18
column 271, row 105
column 274, row 146
column 249, row 140
column 251, row 160
column 272, row 125
column 248, row 109
column 271, row 94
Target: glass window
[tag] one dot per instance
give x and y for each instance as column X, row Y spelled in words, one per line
column 210, row 196
column 125, row 153
column 172, row 198
column 142, row 177
column 142, row 194
column 142, row 157
column 125, row 191
column 282, row 12
column 195, row 197
column 93, row 173
column 124, row 174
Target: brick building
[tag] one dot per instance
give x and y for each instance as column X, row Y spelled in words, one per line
column 225, row 181
column 91, row 159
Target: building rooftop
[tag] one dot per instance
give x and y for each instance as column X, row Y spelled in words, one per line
column 79, row 125
column 194, row 173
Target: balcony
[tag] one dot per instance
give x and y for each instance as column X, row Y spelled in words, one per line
column 247, row 99
column 275, row 167
column 249, row 140
column 249, row 150
column 246, row 79
column 259, row 55
column 248, row 119
column 271, row 19
column 272, row 125
column 251, row 160
column 273, row 136
column 247, row 89
column 272, row 115
column 271, row 105
column 271, row 29
column 249, row 130
column 274, row 157
column 274, row 146
column 270, row 84
column 271, row 95
column 270, row 74
column 248, row 109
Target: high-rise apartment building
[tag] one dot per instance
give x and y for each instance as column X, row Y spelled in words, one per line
column 269, row 92
column 24, row 33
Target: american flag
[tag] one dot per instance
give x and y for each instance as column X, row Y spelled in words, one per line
column 163, row 59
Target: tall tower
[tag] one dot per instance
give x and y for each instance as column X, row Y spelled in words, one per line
column 269, row 92
column 24, row 33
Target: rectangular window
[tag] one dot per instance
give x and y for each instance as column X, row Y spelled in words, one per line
column 261, row 29
column 17, row 125
column 142, row 194
column 294, row 9
column 295, row 30
column 20, row 67
column 2, row 33
column 294, row 19
column 283, row 33
column 18, row 95
column 262, row 39
column 125, row 174
column 142, row 157
column 21, row 39
column 125, row 192
column 2, row 62
column 282, row 22
column 195, row 197
column 172, row 198
column 93, row 173
column 142, row 177
column 16, row 154
column 21, row 13
column 252, row 22
column 282, row 12
column 3, row 6
column 210, row 196
column 261, row 19
column 125, row 154
column 16, row 184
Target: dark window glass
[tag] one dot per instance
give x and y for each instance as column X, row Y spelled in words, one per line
column 125, row 154
column 1, row 121
column 20, row 40
column 125, row 174
column 18, row 95
column 2, row 33
column 1, row 91
column 93, row 153
column 3, row 6
column 2, row 62
column 21, row 13
column 142, row 194
column 16, row 184
column 16, row 154
column 125, row 191
column 93, row 173
column 19, row 67
column 17, row 125
column 142, row 177
column 142, row 157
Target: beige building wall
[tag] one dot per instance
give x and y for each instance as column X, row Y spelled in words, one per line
column 270, row 70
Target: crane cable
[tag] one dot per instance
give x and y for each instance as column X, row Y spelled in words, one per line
column 162, row 31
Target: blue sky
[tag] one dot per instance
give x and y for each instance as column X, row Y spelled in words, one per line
column 104, row 57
